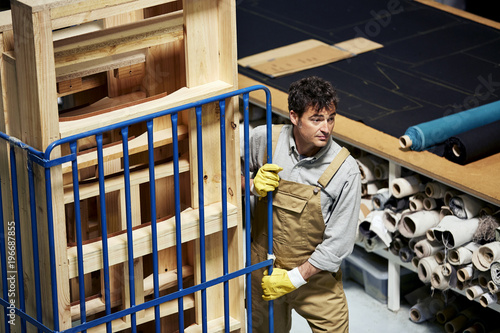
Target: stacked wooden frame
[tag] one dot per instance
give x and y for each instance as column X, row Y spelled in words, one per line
column 69, row 66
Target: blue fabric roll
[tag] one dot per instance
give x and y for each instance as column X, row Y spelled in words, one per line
column 436, row 131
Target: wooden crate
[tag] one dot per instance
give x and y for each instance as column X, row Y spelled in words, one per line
column 111, row 61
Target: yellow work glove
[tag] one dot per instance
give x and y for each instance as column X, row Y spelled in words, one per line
column 280, row 282
column 266, row 180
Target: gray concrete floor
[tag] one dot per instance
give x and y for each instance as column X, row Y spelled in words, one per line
column 368, row 315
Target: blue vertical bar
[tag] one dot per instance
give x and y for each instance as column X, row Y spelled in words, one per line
column 34, row 237
column 3, row 260
column 154, row 231
column 52, row 253
column 19, row 254
column 130, row 238
column 201, row 207
column 78, row 225
column 178, row 229
column 246, row 140
column 222, row 105
column 270, row 200
column 104, row 230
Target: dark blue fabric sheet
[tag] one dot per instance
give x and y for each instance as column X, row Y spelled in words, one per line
column 432, row 64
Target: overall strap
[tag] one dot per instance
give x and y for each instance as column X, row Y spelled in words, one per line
column 276, row 130
column 333, row 167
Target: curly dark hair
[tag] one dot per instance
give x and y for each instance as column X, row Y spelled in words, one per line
column 313, row 92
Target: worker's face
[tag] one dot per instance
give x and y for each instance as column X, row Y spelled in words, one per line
column 312, row 131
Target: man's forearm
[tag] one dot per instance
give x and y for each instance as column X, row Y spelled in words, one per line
column 307, row 270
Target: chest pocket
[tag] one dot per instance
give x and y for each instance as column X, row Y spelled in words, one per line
column 291, row 217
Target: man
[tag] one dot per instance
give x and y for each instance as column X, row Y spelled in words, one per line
column 316, row 192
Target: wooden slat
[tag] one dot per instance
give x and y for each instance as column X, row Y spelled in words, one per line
column 100, row 65
column 215, row 326
column 116, row 183
column 117, row 245
column 166, row 309
column 136, row 145
column 180, row 97
column 166, row 279
column 39, row 127
column 120, row 39
column 86, row 11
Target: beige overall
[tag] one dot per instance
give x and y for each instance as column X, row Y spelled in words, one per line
column 298, row 227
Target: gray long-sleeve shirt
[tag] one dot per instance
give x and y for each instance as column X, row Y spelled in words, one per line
column 340, row 200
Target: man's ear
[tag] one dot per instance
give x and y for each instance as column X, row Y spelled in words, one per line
column 294, row 118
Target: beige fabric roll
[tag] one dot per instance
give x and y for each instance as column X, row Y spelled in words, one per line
column 424, row 248
column 488, row 298
column 406, row 186
column 474, row 292
column 438, row 279
column 465, row 206
column 453, row 232
column 435, row 190
column 486, row 255
column 425, row 268
column 417, row 201
column 466, row 273
column 463, row 254
column 417, row 223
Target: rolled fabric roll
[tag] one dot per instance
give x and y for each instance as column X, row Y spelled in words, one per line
column 440, row 256
column 391, row 219
column 476, row 327
column 466, row 273
column 450, row 272
column 465, row 207
column 417, row 201
column 474, row 292
column 414, row 240
column 444, row 211
column 406, row 186
column 417, row 223
column 435, row 190
column 396, row 204
column 447, row 313
column 398, row 242
column 495, row 272
column 405, row 254
column 431, row 203
column 460, row 322
column 372, row 244
column 377, row 227
column 425, row 310
column 453, row 232
column 483, row 278
column 493, row 287
column 424, row 135
column 438, row 280
column 366, row 167
column 462, row 255
column 487, row 254
column 372, row 188
column 450, row 193
column 474, row 144
column 425, row 268
column 365, row 225
column 424, row 248
column 415, row 261
column 380, row 198
column 381, row 170
column 488, row 298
